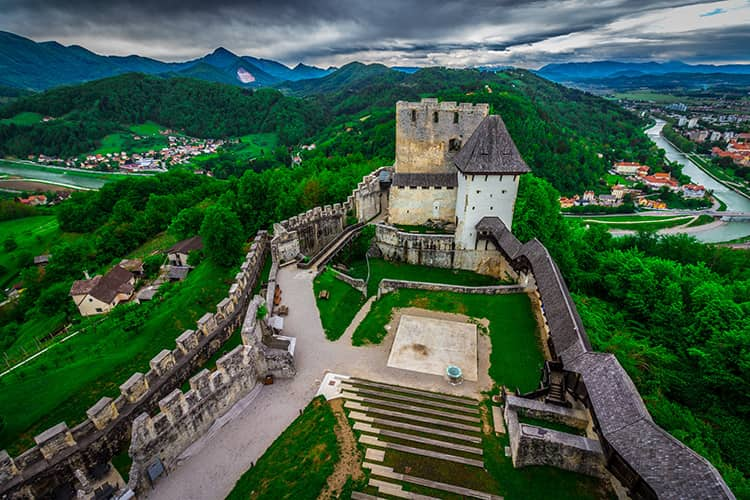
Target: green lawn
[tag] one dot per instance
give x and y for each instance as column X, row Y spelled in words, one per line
column 298, row 463
column 613, row 179
column 63, row 383
column 516, row 358
column 148, row 128
column 119, row 141
column 381, row 269
column 257, row 144
column 645, row 224
column 338, row 311
column 25, row 118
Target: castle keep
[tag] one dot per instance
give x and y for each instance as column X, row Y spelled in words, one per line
column 455, row 164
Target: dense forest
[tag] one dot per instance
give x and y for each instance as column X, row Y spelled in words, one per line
column 85, row 113
column 567, row 136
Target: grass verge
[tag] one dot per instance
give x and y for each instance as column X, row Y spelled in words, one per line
column 298, row 463
column 339, row 309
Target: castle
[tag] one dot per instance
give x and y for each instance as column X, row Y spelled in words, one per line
column 455, row 164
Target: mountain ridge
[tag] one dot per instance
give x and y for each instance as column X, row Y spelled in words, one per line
column 39, row 66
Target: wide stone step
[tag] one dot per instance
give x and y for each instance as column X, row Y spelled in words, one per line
column 396, row 490
column 354, row 405
column 363, row 427
column 370, row 400
column 368, row 440
column 410, row 399
column 358, row 495
column 406, row 390
column 377, row 422
column 389, row 473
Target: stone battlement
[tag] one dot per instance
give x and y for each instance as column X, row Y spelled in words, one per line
column 308, row 232
column 184, row 417
column 60, row 451
column 432, row 104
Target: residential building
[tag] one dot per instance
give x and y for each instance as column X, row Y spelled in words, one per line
column 179, row 252
column 100, row 294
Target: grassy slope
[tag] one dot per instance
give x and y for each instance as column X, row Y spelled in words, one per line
column 33, row 235
column 338, row 311
column 25, row 118
column 380, row 269
column 64, row 382
column 253, row 144
column 298, row 463
column 516, row 357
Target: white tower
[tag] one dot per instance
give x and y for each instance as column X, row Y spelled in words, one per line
column 489, row 166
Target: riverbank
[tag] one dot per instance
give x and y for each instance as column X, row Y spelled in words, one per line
column 705, row 170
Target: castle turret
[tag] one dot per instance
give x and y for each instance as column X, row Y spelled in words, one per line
column 489, row 166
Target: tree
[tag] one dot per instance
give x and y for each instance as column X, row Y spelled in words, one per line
column 222, row 236
column 10, row 244
column 187, row 223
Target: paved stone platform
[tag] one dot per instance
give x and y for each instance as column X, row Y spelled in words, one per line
column 430, row 345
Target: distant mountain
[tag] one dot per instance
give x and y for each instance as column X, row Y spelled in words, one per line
column 406, row 69
column 351, row 77
column 39, row 66
column 576, row 72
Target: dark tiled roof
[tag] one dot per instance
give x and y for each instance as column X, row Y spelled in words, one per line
column 105, row 288
column 425, row 180
column 490, row 150
column 670, row 468
column 82, row 287
column 673, row 470
column 186, row 246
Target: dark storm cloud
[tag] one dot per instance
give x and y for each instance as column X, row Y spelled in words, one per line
column 391, row 31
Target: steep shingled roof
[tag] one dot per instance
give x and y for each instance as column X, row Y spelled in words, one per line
column 490, row 150
column 185, row 246
column 105, row 288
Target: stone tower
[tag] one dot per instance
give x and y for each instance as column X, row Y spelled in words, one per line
column 429, row 135
column 489, row 167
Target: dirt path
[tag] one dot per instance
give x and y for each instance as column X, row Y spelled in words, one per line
column 350, row 461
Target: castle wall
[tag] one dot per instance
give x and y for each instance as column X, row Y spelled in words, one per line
column 424, row 131
column 185, row 417
column 412, row 205
column 531, row 445
column 311, row 231
column 434, row 250
column 389, row 285
column 62, row 455
column 483, row 196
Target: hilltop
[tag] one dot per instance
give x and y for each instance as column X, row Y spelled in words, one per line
column 569, row 137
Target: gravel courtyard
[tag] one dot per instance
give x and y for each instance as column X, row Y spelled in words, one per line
column 210, row 467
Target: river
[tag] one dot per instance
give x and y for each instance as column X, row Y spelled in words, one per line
column 735, row 202
column 62, row 177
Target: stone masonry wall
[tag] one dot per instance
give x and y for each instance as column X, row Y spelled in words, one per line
column 389, row 285
column 61, row 454
column 185, row 417
column 531, row 445
column 309, row 232
column 424, row 131
column 434, row 250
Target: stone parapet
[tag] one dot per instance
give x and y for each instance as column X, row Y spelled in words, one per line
column 103, row 412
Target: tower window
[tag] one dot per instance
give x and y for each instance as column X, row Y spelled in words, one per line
column 454, row 144
column 455, row 117
column 413, row 115
column 435, row 117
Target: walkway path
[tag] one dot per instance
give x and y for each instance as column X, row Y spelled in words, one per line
column 211, row 471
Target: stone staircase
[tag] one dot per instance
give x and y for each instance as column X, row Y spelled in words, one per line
column 395, row 423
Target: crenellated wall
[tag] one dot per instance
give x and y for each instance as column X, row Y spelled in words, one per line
column 309, row 232
column 185, row 417
column 64, row 455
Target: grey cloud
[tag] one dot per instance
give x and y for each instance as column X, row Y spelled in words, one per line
column 330, row 31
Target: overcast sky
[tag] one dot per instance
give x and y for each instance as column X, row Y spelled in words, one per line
column 394, row 32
